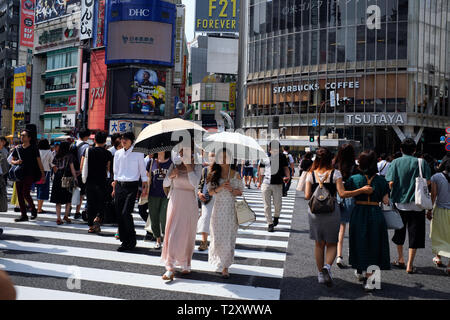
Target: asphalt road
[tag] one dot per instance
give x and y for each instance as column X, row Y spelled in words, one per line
column 300, row 273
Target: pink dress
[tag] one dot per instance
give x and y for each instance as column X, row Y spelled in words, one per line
column 182, row 218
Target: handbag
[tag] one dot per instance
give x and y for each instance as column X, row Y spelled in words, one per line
column 67, row 182
column 393, row 219
column 76, row 196
column 16, row 172
column 422, row 196
column 84, row 172
column 244, row 214
column 302, row 182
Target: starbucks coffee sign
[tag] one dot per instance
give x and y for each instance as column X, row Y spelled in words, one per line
column 315, row 86
column 375, row 119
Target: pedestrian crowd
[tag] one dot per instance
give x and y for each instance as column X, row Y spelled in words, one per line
column 366, row 192
column 178, row 197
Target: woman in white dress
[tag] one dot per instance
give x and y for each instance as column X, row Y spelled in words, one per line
column 207, row 204
column 224, row 184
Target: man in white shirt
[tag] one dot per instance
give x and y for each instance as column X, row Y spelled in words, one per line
column 129, row 167
column 383, row 165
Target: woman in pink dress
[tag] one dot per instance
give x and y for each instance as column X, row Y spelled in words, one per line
column 182, row 217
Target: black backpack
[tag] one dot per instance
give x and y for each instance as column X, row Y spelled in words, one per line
column 322, row 201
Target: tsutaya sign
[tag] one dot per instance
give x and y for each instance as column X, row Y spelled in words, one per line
column 315, row 87
column 376, row 119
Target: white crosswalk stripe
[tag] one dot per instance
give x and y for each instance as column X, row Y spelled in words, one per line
column 40, row 248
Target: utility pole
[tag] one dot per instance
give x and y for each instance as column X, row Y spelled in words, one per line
column 322, row 105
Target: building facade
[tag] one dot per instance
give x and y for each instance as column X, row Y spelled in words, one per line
column 380, row 69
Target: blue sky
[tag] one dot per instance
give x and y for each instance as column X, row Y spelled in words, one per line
column 190, row 19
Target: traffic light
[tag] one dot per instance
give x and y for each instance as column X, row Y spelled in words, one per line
column 311, row 139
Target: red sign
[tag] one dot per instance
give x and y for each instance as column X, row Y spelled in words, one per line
column 447, row 130
column 19, row 97
column 27, row 23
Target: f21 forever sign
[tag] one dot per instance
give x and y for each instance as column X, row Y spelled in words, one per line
column 217, row 16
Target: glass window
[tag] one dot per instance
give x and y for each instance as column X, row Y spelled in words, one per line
column 314, row 46
column 298, row 49
column 361, row 14
column 370, row 55
column 323, row 46
column 275, row 16
column 350, row 44
column 315, row 14
column 269, row 54
column 331, row 46
column 391, row 10
column 332, row 13
column 403, row 40
column 262, row 18
column 305, row 50
column 340, row 44
column 256, row 20
column 298, row 15
column 305, row 7
column 290, row 51
column 290, row 17
column 263, row 55
column 348, row 12
column 276, row 53
column 361, row 43
column 283, row 52
column 284, row 11
column 322, row 6
column 257, row 56
column 402, row 10
column 381, row 42
column 269, row 16
column 392, row 41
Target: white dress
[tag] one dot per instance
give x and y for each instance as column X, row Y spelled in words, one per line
column 224, row 226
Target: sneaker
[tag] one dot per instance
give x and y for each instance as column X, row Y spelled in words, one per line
column 16, row 209
column 21, row 219
column 84, row 216
column 327, row 275
column 271, row 228
column 203, row 246
column 157, row 246
column 275, row 221
column 77, row 216
column 340, row 263
column 320, row 277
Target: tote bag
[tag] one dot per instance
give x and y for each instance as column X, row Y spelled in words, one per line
column 423, row 197
column 393, row 219
column 244, row 214
column 302, row 181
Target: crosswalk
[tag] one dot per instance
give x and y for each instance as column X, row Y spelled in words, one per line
column 46, row 261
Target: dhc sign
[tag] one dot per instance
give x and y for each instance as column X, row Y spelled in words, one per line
column 138, row 12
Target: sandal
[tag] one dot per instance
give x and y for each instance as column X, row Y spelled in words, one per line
column 413, row 271
column 91, row 230
column 67, row 220
column 168, row 276
column 438, row 262
column 400, row 265
column 59, row 222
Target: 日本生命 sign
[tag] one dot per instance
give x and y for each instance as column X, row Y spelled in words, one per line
column 375, row 119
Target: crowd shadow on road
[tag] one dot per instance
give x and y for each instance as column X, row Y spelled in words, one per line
column 309, row 289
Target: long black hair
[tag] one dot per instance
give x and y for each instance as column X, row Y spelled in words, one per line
column 64, row 149
column 345, row 160
column 447, row 170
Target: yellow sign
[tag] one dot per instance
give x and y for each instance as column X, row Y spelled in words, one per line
column 208, row 106
column 19, row 85
column 232, row 96
column 217, row 16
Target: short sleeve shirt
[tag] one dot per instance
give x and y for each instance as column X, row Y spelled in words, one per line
column 272, row 177
column 403, row 172
column 443, row 190
column 98, row 159
column 29, row 157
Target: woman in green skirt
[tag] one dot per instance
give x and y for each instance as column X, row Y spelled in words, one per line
column 369, row 243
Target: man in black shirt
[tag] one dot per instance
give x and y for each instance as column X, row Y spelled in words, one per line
column 276, row 173
column 98, row 160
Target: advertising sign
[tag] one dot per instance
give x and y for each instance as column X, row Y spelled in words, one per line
column 68, row 120
column 149, row 92
column 27, row 23
column 179, row 57
column 140, row 32
column 52, row 9
column 120, row 126
column 217, row 16
column 19, row 92
column 60, row 104
column 87, row 19
column 376, row 119
column 232, row 105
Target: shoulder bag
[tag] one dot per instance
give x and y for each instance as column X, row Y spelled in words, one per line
column 322, row 201
column 392, row 217
column 67, row 182
column 16, row 172
column 84, row 172
column 422, row 196
column 244, row 214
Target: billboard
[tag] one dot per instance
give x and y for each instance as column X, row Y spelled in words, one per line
column 223, row 55
column 179, row 46
column 138, row 91
column 140, row 32
column 87, row 19
column 52, row 9
column 139, row 41
column 217, row 16
column 27, row 23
